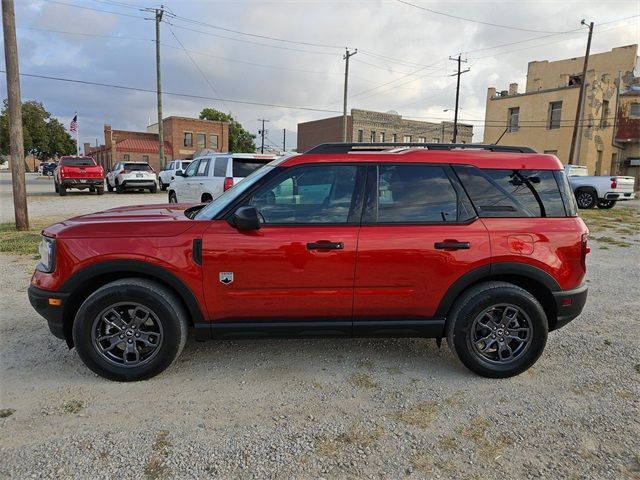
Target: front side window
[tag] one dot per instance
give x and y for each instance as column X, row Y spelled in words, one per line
column 188, row 139
column 203, row 168
column 416, row 194
column 512, row 193
column 201, row 140
column 555, row 112
column 513, row 119
column 192, row 168
column 309, row 195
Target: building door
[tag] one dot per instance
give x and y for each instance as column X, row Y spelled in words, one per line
column 599, row 163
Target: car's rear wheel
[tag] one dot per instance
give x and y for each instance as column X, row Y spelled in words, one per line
column 109, row 187
column 119, row 188
column 55, row 186
column 586, row 198
column 497, row 329
column 62, row 190
column 172, row 197
column 606, row 204
column 153, row 189
column 206, row 198
column 100, row 190
column 130, row 329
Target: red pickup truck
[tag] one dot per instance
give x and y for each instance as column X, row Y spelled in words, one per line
column 80, row 173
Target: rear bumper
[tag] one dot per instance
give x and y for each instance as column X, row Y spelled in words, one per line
column 39, row 300
column 82, row 182
column 569, row 304
column 138, row 183
column 619, row 196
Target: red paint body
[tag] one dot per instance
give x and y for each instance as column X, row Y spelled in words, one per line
column 384, row 271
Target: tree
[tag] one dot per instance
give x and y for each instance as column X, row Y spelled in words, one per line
column 240, row 140
column 44, row 136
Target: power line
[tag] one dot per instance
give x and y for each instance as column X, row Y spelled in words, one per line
column 472, row 20
column 95, row 9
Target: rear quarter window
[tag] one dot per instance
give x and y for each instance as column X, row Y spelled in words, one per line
column 512, row 193
column 244, row 167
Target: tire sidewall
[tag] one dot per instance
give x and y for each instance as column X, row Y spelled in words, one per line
column 102, row 299
column 593, row 196
column 464, row 322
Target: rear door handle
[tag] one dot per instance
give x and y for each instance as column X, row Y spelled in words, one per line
column 325, row 245
column 452, row 245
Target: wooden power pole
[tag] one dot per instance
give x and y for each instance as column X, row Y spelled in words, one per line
column 346, row 57
column 455, row 115
column 15, row 115
column 159, row 12
column 576, row 123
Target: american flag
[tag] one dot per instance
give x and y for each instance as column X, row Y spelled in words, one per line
column 74, row 124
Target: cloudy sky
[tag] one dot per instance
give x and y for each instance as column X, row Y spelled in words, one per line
column 288, row 53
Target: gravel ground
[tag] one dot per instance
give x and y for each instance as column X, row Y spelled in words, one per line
column 383, row 408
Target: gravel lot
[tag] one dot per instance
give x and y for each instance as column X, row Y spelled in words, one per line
column 383, row 408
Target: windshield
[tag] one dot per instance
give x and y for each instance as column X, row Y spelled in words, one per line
column 220, row 203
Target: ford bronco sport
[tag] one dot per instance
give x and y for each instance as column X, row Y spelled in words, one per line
column 478, row 244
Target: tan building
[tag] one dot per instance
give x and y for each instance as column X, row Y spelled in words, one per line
column 542, row 117
column 368, row 126
column 183, row 137
column 628, row 133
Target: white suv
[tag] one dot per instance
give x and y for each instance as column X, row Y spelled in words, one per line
column 168, row 173
column 131, row 176
column 207, row 177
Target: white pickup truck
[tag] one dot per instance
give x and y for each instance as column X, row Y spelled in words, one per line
column 601, row 191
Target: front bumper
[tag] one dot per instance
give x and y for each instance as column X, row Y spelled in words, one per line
column 53, row 314
column 569, row 304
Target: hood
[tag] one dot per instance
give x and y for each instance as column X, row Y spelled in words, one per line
column 164, row 220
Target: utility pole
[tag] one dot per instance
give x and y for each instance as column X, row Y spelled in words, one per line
column 262, row 133
column 15, row 115
column 576, row 123
column 284, row 140
column 159, row 14
column 455, row 115
column 346, row 57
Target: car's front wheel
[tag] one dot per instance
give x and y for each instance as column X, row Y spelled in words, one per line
column 130, row 329
column 497, row 329
column 172, row 197
column 163, row 186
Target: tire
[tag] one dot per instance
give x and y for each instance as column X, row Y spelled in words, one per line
column 109, row 187
column 124, row 358
column 55, row 186
column 153, row 189
column 100, row 190
column 92, row 189
column 172, row 197
column 586, row 198
column 473, row 320
column 606, row 204
column 119, row 188
column 62, row 190
column 163, row 186
column 206, row 199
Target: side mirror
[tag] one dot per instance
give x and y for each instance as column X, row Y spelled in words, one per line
column 179, row 173
column 246, row 218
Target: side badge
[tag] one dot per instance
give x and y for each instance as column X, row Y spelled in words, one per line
column 226, row 277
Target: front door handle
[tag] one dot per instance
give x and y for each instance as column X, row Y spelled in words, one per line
column 325, row 245
column 452, row 245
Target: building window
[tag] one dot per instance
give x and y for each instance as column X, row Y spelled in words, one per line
column 395, row 138
column 145, row 158
column 360, row 136
column 126, row 157
column 555, row 112
column 188, row 139
column 382, row 136
column 513, row 119
column 575, row 80
column 605, row 114
column 373, row 137
column 213, row 142
column 435, row 140
column 422, row 139
column 634, row 110
column 201, row 141
column 406, row 138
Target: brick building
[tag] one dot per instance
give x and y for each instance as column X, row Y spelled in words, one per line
column 183, row 137
column 370, row 126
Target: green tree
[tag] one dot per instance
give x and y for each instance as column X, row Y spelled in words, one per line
column 44, row 136
column 240, row 140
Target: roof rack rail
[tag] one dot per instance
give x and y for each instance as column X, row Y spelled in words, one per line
column 380, row 146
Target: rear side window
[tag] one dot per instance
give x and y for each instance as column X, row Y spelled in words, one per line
column 418, row 194
column 137, row 167
column 78, row 162
column 243, row 167
column 220, row 167
column 512, row 193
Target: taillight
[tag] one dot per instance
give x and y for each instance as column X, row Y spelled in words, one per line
column 126, row 171
column 614, row 182
column 62, row 172
column 228, row 183
column 584, row 249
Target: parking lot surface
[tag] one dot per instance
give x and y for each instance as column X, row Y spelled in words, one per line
column 348, row 408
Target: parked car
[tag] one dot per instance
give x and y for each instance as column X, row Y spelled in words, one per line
column 168, row 173
column 48, row 168
column 480, row 245
column 78, row 172
column 131, row 176
column 601, row 191
column 209, row 176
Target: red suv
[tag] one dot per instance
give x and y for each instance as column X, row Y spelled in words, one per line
column 478, row 244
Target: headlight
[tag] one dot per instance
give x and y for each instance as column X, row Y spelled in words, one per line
column 47, row 255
